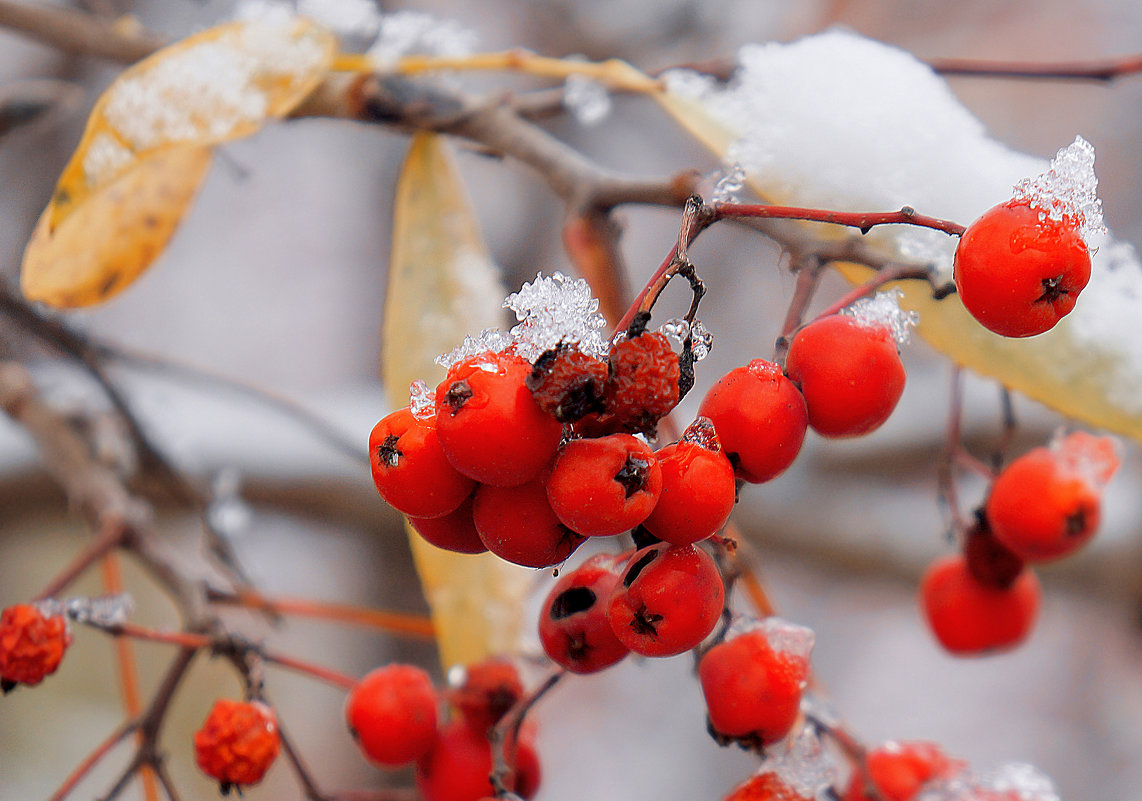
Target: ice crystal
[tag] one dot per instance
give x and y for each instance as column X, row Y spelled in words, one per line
column 553, row 309
column 354, row 18
column 586, row 99
column 729, row 183
column 783, row 637
column 421, row 400
column 804, row 766
column 490, row 340
column 406, row 32
column 270, row 12
column 677, row 330
column 1020, row 781
column 883, row 310
column 106, row 610
column 1068, row 190
column 1094, row 459
column 104, row 157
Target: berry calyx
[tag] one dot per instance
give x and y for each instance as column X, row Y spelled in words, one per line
column 698, row 487
column 1047, row 503
column 850, row 373
column 970, row 618
column 392, row 714
column 573, row 626
column 605, row 486
column 455, row 531
column 760, row 417
column 899, row 770
column 237, row 743
column 668, row 600
column 31, row 645
column 1018, row 272
column 459, row 766
column 489, row 689
column 518, row 525
column 752, row 682
column 489, row 425
column 409, row 467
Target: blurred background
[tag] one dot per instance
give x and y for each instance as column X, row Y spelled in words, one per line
column 277, row 280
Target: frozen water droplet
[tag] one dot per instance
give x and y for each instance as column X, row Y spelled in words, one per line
column 1068, row 190
column 883, row 310
column 586, row 99
column 701, row 341
column 729, row 183
column 675, row 329
column 421, row 400
column 701, row 432
column 105, row 610
column 805, row 766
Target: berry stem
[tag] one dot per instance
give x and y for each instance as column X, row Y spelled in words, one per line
column 304, row 777
column 108, row 539
column 864, row 220
column 885, row 276
column 398, row 623
column 511, row 722
column 328, row 675
column 91, row 760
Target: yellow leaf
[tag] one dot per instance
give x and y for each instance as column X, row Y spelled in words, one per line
column 443, row 286
column 1089, row 378
column 109, row 240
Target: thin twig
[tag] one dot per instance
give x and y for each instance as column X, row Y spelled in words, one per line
column 91, row 760
column 392, row 622
column 505, row 734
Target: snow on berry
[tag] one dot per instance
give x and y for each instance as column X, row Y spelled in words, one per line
column 1094, row 459
column 882, row 310
column 1067, row 191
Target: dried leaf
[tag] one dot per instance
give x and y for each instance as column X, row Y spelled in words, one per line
column 443, row 286
column 109, row 240
column 146, row 150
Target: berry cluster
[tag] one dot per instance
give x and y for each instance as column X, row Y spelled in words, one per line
column 1041, row 507
column 393, row 713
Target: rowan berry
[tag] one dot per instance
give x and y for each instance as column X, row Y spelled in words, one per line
column 392, row 714
column 1018, row 272
column 605, row 486
column 573, row 626
column 668, row 600
column 489, row 425
column 970, row 618
column 455, row 531
column 489, row 689
column 237, row 743
column 459, row 766
column 1047, row 503
column 989, row 561
column 409, row 467
column 518, row 525
column 766, row 786
column 899, row 770
column 642, row 386
column 32, row 645
column 850, row 373
column 752, row 682
column 698, row 487
column 760, row 417
column 567, row 383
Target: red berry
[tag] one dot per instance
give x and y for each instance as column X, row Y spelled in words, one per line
column 392, row 712
column 1042, row 508
column 970, row 618
column 752, row 683
column 1018, row 272
column 602, row 487
column 31, row 645
column 489, row 690
column 490, row 427
column 668, row 600
column 698, row 488
column 900, row 770
column 766, row 786
column 455, row 531
column 849, row 372
column 760, row 417
column 567, row 383
column 409, row 467
column 573, row 625
column 989, row 561
column 237, row 743
column 643, row 383
column 459, row 766
column 518, row 524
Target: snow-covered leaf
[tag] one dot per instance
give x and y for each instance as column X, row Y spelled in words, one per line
column 838, row 121
column 442, row 287
column 151, row 132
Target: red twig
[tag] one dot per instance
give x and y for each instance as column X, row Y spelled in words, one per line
column 328, row 675
column 1101, row 70
column 885, row 276
column 393, row 622
column 109, row 538
column 863, row 220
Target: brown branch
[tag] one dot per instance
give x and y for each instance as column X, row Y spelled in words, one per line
column 1102, row 70
column 79, row 33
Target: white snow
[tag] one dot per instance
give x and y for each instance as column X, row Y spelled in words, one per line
column 728, row 183
column 783, row 636
column 1068, row 190
column 805, row 766
column 404, row 33
column 1014, row 781
column 882, row 310
column 104, row 158
column 421, row 400
column 586, row 99
column 357, row 18
column 105, row 610
column 677, row 329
